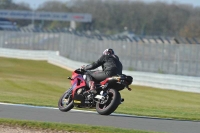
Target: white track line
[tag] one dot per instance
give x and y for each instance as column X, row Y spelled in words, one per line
column 75, row 110
column 32, row 106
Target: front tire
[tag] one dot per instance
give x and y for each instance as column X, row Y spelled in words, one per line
column 65, row 102
column 113, row 101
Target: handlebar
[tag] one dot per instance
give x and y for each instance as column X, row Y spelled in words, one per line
column 80, row 70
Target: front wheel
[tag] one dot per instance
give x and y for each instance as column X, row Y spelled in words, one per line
column 112, row 102
column 65, row 102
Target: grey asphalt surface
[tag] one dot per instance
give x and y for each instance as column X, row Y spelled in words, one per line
column 46, row 114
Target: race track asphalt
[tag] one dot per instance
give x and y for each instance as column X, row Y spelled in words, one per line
column 48, row 114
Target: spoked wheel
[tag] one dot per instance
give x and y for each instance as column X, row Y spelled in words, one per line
column 110, row 104
column 65, row 102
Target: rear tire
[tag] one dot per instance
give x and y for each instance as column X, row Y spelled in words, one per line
column 65, row 102
column 111, row 105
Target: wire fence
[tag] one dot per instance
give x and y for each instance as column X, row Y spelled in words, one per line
column 158, row 57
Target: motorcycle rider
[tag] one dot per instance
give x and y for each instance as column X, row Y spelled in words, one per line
column 111, row 66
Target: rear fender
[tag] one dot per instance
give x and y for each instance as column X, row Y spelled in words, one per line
column 110, row 80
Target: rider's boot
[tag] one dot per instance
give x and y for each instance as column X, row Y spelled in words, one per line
column 92, row 88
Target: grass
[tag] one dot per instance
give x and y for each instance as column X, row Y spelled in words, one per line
column 161, row 103
column 40, row 83
column 55, row 127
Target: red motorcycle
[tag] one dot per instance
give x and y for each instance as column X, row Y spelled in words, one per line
column 106, row 100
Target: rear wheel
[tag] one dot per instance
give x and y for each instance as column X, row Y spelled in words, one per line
column 65, row 102
column 110, row 104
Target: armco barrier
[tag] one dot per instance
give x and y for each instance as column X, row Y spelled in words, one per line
column 163, row 81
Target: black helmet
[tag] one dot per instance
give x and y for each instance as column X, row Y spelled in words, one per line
column 108, row 51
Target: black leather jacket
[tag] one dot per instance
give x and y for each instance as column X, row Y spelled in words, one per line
column 110, row 64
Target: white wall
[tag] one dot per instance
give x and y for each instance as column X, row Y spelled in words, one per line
column 173, row 82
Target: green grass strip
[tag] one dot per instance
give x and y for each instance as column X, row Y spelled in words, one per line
column 65, row 127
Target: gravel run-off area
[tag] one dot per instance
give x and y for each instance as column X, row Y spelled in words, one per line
column 13, row 129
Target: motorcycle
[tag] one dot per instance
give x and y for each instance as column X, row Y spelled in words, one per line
column 106, row 99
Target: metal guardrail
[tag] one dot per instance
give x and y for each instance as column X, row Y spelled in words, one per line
column 173, row 82
column 125, row 37
column 147, row 56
